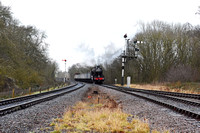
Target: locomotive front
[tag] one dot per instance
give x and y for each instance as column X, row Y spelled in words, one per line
column 97, row 75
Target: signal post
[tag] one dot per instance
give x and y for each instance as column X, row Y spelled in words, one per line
column 128, row 54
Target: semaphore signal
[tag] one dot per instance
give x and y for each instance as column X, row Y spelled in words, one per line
column 65, row 79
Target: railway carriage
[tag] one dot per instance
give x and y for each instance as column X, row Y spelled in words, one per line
column 94, row 76
column 83, row 77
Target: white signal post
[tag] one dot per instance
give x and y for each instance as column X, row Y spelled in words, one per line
column 65, row 78
column 123, row 61
column 128, row 54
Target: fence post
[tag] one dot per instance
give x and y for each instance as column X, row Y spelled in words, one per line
column 13, row 93
column 29, row 90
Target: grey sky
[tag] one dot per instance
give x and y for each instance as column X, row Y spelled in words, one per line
column 96, row 24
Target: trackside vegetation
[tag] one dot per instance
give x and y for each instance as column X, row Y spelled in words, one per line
column 24, row 60
column 187, row 87
column 88, row 117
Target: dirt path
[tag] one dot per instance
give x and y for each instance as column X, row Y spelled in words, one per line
column 95, row 96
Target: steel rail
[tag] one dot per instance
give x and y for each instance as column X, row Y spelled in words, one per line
column 177, row 94
column 37, row 100
column 173, row 97
column 173, row 107
column 22, row 98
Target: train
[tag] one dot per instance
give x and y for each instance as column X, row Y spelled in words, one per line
column 94, row 76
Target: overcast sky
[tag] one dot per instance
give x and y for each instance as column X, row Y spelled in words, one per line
column 83, row 30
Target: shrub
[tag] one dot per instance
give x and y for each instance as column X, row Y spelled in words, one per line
column 182, row 73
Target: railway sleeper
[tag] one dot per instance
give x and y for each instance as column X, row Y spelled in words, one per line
column 197, row 117
column 182, row 111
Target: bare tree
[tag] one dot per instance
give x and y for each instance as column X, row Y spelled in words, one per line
column 198, row 12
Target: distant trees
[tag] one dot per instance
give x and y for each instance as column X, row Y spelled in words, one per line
column 112, row 71
column 167, row 46
column 78, row 68
column 168, row 52
column 23, row 54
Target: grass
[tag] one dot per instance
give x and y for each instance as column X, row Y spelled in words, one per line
column 36, row 92
column 87, row 117
column 188, row 87
column 50, row 89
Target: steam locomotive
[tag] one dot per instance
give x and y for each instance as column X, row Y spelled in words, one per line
column 94, row 76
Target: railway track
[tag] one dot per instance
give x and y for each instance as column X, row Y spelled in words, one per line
column 187, row 104
column 15, row 104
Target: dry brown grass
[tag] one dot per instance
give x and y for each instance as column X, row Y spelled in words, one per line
column 99, row 113
column 87, row 117
column 193, row 88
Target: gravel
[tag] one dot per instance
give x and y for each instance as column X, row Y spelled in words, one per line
column 158, row 117
column 189, row 107
column 39, row 117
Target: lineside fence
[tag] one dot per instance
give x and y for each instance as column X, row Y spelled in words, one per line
column 20, row 92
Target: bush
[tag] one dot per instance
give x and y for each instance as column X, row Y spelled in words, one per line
column 183, row 73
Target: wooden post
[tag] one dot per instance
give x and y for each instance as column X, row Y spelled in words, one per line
column 13, row 93
column 29, row 90
column 98, row 99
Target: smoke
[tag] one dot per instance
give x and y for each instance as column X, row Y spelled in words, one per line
column 111, row 52
column 86, row 50
column 90, row 59
column 87, row 54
